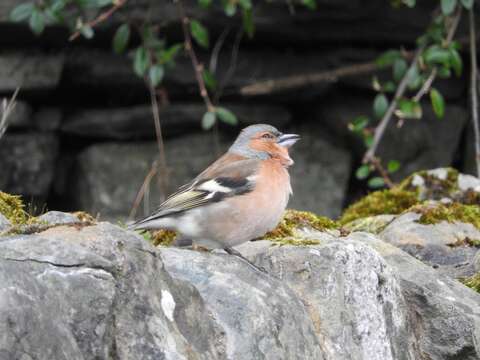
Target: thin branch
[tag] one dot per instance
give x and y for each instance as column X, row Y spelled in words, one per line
column 212, row 67
column 426, row 85
column 141, row 192
column 197, row 66
column 383, row 173
column 7, row 108
column 473, row 89
column 100, row 18
column 402, row 87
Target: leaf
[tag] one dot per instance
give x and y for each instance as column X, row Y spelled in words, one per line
column 359, row 123
column 226, row 116
column 311, row 4
column 22, row 12
column 387, row 58
column 438, row 103
column 205, row 3
column 408, row 109
column 436, row 55
column 245, row 4
column 368, row 140
column 121, row 38
column 456, row 61
column 362, row 172
column 380, row 106
column 209, row 79
column 409, row 3
column 393, row 166
column 448, row 6
column 199, row 33
column 91, row 4
column 248, row 24
column 86, row 31
column 208, row 120
column 155, row 74
column 230, row 8
column 37, row 21
column 140, row 61
column 389, row 87
column 376, row 182
column 467, row 4
column 399, row 69
column 414, row 78
column 167, row 56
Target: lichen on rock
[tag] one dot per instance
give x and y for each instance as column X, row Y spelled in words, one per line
column 472, row 282
column 12, row 207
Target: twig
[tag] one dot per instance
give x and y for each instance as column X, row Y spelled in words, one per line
column 383, row 173
column 212, row 67
column 7, row 108
column 473, row 89
column 380, row 129
column 197, row 66
column 100, row 18
column 426, row 85
column 141, row 192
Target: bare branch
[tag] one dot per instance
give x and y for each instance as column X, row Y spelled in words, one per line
column 381, row 170
column 473, row 88
column 7, row 108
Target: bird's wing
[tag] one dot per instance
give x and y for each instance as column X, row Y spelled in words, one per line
column 226, row 179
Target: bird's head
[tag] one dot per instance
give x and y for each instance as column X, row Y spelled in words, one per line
column 264, row 142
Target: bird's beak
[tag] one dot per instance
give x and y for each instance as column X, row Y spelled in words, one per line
column 287, row 140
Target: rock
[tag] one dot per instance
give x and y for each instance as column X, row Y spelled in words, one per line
column 20, row 117
column 30, row 71
column 476, row 262
column 445, row 246
column 424, row 144
column 352, row 296
column 261, row 317
column 47, row 119
column 58, row 218
column 97, row 293
column 28, row 162
column 4, row 224
column 371, row 224
column 137, row 122
column 320, row 174
column 443, row 313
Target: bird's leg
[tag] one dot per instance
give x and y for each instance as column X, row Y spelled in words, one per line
column 234, row 252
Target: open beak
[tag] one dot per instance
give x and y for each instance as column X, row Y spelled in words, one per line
column 287, row 140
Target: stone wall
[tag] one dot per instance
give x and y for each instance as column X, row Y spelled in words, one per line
column 82, row 135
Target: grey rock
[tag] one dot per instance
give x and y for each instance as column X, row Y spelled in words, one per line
column 28, row 163
column 137, row 121
column 444, row 246
column 443, row 313
column 352, row 296
column 476, row 262
column 58, row 218
column 261, row 317
column 468, row 182
column 418, row 145
column 30, row 71
column 47, row 119
column 320, row 174
column 4, row 223
column 97, row 293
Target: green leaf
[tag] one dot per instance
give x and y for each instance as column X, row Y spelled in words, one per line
column 456, row 61
column 444, row 72
column 205, row 3
column 414, row 78
column 245, row 4
column 368, row 140
column 91, row 4
column 230, row 8
column 248, row 24
column 121, row 38
column 37, row 22
column 359, row 123
column 380, row 106
column 168, row 55
column 376, row 182
column 362, row 172
column 140, row 61
column 22, row 12
column 311, row 4
column 448, row 6
column 155, row 74
column 389, row 87
column 226, row 116
column 199, row 33
column 408, row 109
column 436, row 55
column 438, row 103
column 393, row 166
column 399, row 69
column 409, row 3
column 86, row 31
column 208, row 120
column 387, row 58
column 209, row 80
column 467, row 4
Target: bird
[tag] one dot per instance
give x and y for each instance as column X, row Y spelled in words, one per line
column 238, row 198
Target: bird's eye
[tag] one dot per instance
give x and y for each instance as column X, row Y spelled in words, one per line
column 267, row 136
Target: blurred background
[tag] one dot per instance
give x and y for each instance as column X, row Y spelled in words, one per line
column 82, row 134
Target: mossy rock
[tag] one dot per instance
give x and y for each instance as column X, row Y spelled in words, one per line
column 161, row 237
column 12, row 207
column 384, row 202
column 449, row 212
column 472, row 282
column 371, row 224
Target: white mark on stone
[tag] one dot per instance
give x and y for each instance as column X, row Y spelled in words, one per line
column 450, row 298
column 315, row 252
column 168, row 304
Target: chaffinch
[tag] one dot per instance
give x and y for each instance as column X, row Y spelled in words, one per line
column 239, row 197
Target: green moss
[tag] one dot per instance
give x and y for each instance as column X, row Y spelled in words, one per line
column 295, row 241
column 451, row 212
column 433, row 188
column 371, row 224
column 472, row 282
column 388, row 202
column 294, row 219
column 162, row 237
column 13, row 209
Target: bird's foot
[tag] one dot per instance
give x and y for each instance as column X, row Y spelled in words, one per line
column 239, row 255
